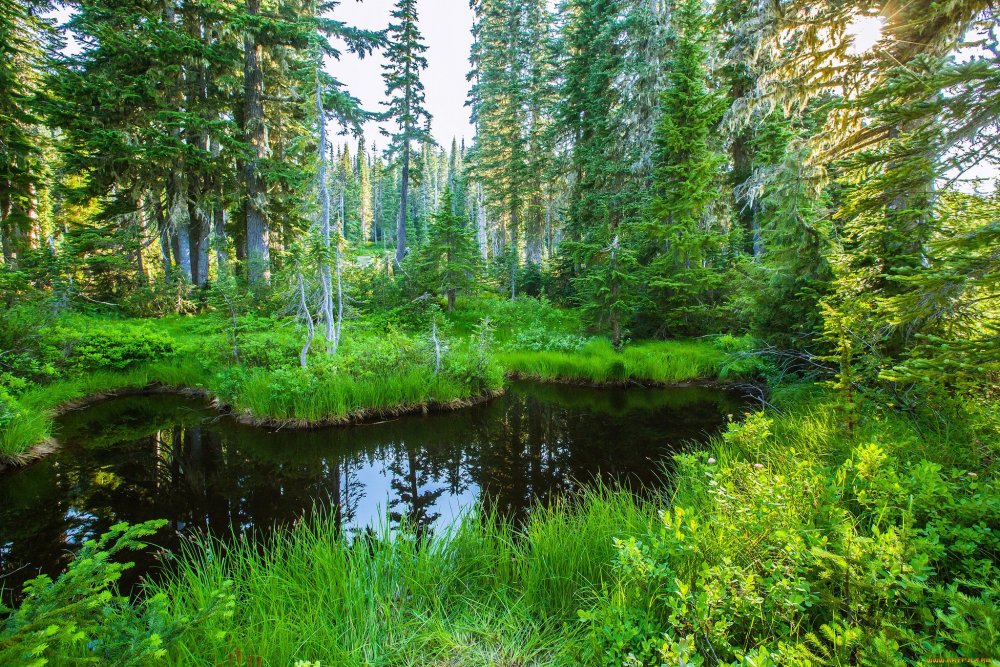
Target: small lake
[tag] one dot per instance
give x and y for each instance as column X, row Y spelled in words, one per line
column 171, row 457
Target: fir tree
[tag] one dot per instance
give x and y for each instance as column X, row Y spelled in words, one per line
column 405, row 62
column 685, row 237
column 449, row 261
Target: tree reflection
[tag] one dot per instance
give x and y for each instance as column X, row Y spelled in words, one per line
column 170, row 457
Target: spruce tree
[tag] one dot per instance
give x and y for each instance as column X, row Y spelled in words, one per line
column 24, row 39
column 404, row 63
column 449, row 261
column 685, row 238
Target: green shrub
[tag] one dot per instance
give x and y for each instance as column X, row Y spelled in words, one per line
column 112, row 346
column 79, row 618
column 8, row 408
column 539, row 339
column 795, row 543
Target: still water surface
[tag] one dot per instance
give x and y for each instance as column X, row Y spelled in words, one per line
column 170, row 457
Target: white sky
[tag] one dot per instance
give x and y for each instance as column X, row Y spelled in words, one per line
column 447, row 29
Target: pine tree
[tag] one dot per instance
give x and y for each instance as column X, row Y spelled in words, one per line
column 449, row 261
column 685, row 238
column 405, row 61
column 511, row 100
column 24, row 38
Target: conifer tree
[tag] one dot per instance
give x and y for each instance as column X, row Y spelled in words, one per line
column 24, row 37
column 449, row 261
column 405, row 62
column 684, row 235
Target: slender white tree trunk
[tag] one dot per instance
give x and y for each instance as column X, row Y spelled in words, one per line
column 311, row 330
column 326, row 306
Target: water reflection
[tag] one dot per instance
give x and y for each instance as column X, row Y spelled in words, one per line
column 170, row 457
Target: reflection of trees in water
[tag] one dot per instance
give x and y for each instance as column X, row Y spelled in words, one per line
column 415, row 494
column 162, row 457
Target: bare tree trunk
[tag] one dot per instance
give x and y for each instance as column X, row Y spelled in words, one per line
column 258, row 240
column 437, row 347
column 164, row 230
column 310, row 329
column 180, row 223
column 219, row 231
column 514, row 221
column 481, row 235
column 403, row 193
column 6, row 232
column 326, row 306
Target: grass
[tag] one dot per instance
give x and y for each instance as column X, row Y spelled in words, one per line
column 33, row 424
column 375, row 372
column 652, row 362
column 340, row 398
column 482, row 594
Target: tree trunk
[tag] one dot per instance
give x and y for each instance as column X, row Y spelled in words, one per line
column 219, row 230
column 164, row 230
column 258, row 241
column 481, row 235
column 451, row 299
column 324, row 265
column 5, row 230
column 180, row 223
column 403, row 193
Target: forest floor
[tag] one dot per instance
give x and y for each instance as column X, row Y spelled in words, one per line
column 385, row 365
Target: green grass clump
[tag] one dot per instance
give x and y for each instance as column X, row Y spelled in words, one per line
column 482, row 594
column 656, row 362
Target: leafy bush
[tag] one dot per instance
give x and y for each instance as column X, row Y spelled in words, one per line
column 78, row 618
column 798, row 544
column 539, row 339
column 112, row 346
column 8, row 408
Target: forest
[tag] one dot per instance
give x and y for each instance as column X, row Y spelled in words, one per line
column 766, row 234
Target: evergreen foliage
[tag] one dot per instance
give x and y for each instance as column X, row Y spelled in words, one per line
column 449, row 261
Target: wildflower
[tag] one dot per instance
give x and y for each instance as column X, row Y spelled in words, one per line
column 758, row 466
column 972, row 474
column 711, row 461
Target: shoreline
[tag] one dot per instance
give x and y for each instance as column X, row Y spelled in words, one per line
column 356, row 418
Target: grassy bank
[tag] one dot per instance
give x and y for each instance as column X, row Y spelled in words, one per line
column 651, row 363
column 790, row 540
column 383, row 367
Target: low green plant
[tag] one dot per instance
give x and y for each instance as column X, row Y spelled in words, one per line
column 794, row 542
column 110, row 345
column 79, row 618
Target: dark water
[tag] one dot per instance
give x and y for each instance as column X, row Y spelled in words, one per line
column 134, row 459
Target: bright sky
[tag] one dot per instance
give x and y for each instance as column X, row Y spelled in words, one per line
column 447, row 29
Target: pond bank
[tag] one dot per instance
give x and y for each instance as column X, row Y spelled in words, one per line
column 296, row 398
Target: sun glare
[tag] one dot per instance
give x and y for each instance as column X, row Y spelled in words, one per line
column 864, row 32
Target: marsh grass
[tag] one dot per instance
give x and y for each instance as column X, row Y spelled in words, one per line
column 482, row 593
column 654, row 362
column 339, row 398
column 33, row 426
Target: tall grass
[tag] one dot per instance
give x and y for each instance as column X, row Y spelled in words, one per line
column 33, row 424
column 341, row 397
column 482, row 594
column 658, row 362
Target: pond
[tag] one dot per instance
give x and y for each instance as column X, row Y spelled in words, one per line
column 171, row 457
